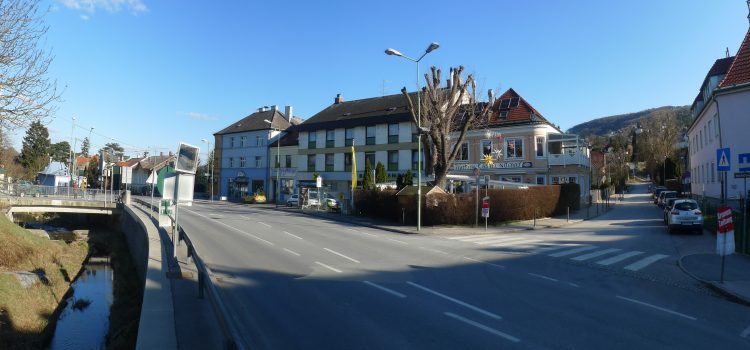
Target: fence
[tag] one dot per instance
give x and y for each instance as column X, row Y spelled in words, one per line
column 58, row 192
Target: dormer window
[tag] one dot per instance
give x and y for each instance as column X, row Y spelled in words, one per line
column 503, row 115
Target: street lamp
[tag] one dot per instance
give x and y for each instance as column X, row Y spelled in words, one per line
column 393, row 52
column 278, row 161
column 208, row 145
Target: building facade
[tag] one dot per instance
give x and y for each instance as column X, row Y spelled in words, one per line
column 242, row 152
column 721, row 120
column 284, row 167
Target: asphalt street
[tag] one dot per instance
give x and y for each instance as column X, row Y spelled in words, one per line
column 294, row 281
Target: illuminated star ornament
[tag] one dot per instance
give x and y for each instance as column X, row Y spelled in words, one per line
column 488, row 159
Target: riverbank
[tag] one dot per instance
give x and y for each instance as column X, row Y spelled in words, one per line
column 46, row 268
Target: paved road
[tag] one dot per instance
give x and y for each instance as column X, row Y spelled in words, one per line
column 294, row 281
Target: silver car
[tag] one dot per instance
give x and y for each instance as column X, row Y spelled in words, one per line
column 685, row 215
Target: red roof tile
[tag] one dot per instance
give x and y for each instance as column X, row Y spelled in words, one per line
column 520, row 113
column 739, row 72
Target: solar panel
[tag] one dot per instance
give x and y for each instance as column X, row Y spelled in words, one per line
column 513, row 102
column 504, row 103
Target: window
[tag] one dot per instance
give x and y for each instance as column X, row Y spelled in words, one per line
column 370, row 158
column 463, row 153
column 348, row 161
column 705, row 132
column 310, row 162
column 540, row 180
column 348, row 137
column 258, row 141
column 393, row 160
column 288, row 160
column 414, row 160
column 555, row 180
column 312, row 138
column 716, row 128
column 258, row 161
column 514, row 148
column 329, row 161
column 713, row 172
column 243, row 140
column 485, row 146
column 510, row 178
column 231, row 162
column 370, row 140
column 242, row 162
column 393, row 133
column 276, row 160
column 572, row 179
column 330, row 138
column 700, row 133
column 540, row 146
column 710, row 134
column 231, row 142
column 503, row 115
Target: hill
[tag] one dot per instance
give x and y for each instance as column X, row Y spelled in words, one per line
column 605, row 125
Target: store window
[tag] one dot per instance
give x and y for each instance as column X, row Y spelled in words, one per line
column 514, row 148
column 463, row 153
column 540, row 146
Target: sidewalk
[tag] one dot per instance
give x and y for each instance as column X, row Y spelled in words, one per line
column 706, row 268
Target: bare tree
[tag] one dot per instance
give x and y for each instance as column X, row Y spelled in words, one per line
column 26, row 94
column 445, row 110
column 658, row 140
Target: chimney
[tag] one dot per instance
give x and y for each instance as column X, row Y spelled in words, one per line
column 260, row 109
column 274, row 108
column 448, row 83
column 161, row 154
column 338, row 99
column 288, row 113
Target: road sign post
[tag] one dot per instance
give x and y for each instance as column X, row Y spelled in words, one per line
column 476, row 203
column 485, row 210
column 725, row 235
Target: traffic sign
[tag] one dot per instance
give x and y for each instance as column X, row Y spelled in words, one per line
column 742, row 175
column 723, row 159
column 744, row 160
column 476, row 172
column 725, row 234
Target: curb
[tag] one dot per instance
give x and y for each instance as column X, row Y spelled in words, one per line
column 713, row 285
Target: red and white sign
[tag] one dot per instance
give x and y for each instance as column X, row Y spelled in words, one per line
column 725, row 235
column 485, row 208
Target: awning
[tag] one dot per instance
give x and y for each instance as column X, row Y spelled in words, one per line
column 241, row 180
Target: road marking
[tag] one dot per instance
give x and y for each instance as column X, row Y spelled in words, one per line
column 618, row 258
column 645, row 262
column 572, row 251
column 341, row 255
column 482, row 327
column 395, row 240
column 470, row 236
column 746, row 332
column 328, row 267
column 658, row 308
column 486, row 240
column 233, row 228
column 351, row 229
column 595, row 254
column 387, row 290
column 543, row 277
column 573, row 284
column 293, row 235
column 550, row 247
column 459, row 302
column 521, row 242
column 264, row 224
column 434, row 250
column 484, row 262
column 291, row 251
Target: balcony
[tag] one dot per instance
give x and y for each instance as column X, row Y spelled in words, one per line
column 569, row 158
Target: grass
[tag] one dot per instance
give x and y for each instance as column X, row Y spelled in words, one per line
column 26, row 313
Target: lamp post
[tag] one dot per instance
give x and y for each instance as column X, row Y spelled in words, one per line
column 278, row 161
column 211, row 162
column 393, row 52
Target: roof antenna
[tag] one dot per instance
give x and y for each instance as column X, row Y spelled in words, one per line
column 727, row 52
column 748, row 10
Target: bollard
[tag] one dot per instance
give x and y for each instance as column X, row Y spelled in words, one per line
column 568, row 209
column 534, row 218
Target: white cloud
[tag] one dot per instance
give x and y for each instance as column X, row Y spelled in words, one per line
column 85, row 17
column 90, row 6
column 196, row 116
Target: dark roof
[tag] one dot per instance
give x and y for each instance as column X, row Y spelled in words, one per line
column 256, row 121
column 720, row 66
column 391, row 108
column 522, row 113
column 130, row 162
column 290, row 138
column 739, row 72
column 155, row 161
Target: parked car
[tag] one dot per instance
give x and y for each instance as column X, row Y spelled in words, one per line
column 685, row 215
column 664, row 195
column 668, row 207
column 657, row 191
column 259, row 197
column 26, row 188
column 293, row 200
column 332, row 204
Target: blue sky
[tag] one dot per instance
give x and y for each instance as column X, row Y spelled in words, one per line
column 153, row 73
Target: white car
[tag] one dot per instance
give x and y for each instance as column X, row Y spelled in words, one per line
column 293, row 200
column 685, row 215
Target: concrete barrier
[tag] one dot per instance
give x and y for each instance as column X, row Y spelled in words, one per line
column 156, row 327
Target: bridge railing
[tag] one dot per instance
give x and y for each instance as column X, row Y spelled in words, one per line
column 205, row 282
column 58, row 192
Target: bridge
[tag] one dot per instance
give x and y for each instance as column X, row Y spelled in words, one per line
column 46, row 199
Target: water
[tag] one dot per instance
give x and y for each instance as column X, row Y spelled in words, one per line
column 85, row 321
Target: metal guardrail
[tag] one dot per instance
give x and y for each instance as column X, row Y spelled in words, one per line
column 58, row 192
column 205, row 282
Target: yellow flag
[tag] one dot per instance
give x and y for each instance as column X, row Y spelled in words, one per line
column 354, row 169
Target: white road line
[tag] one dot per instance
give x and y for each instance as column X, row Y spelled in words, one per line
column 351, row 229
column 645, row 262
column 543, row 277
column 618, row 258
column 293, row 235
column 482, row 327
column 658, row 308
column 550, row 247
column 395, row 240
column 465, row 237
column 510, row 244
column 328, row 267
column 459, row 302
column 573, row 284
column 291, row 251
column 746, row 332
column 341, row 255
column 484, row 262
column 434, row 250
column 499, row 240
column 572, row 251
column 233, row 228
column 595, row 254
column 264, row 224
column 387, row 290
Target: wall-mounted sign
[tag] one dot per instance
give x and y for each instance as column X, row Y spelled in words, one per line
column 503, row 165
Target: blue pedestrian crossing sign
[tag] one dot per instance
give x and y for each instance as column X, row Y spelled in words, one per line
column 723, row 159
